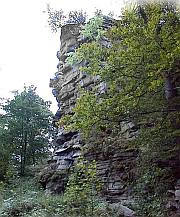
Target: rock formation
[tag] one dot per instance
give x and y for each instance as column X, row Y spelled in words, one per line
column 113, row 167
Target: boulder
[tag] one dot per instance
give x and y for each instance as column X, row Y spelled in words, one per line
column 122, row 210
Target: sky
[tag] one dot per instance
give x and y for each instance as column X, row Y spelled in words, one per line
column 28, row 47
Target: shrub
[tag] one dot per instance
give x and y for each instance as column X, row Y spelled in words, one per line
column 82, row 188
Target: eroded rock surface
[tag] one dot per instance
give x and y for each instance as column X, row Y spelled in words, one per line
column 112, row 167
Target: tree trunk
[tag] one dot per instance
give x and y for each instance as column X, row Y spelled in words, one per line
column 24, row 149
column 33, row 158
column 170, row 88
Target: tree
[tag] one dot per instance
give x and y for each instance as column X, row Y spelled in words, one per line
column 140, row 68
column 26, row 121
column 57, row 18
column 5, row 150
column 142, row 71
column 5, row 147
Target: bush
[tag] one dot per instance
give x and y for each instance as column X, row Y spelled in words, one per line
column 25, row 198
column 82, row 188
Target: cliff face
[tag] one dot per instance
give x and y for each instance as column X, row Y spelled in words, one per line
column 116, row 164
column 68, row 78
column 114, row 167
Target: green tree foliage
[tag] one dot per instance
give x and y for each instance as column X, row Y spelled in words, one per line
column 93, row 30
column 24, row 128
column 5, row 147
column 141, row 69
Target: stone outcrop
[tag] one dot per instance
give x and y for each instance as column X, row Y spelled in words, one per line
column 114, row 167
column 54, row 176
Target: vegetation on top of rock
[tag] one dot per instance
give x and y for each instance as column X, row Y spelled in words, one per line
column 57, row 18
column 93, row 30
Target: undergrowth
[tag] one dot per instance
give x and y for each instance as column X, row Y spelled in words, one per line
column 25, row 198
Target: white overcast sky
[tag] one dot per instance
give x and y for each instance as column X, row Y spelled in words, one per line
column 28, row 48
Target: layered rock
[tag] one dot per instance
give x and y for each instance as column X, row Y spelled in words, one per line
column 113, row 168
column 54, row 176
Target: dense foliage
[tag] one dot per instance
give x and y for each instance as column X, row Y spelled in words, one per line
column 24, row 197
column 141, row 69
column 24, row 129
